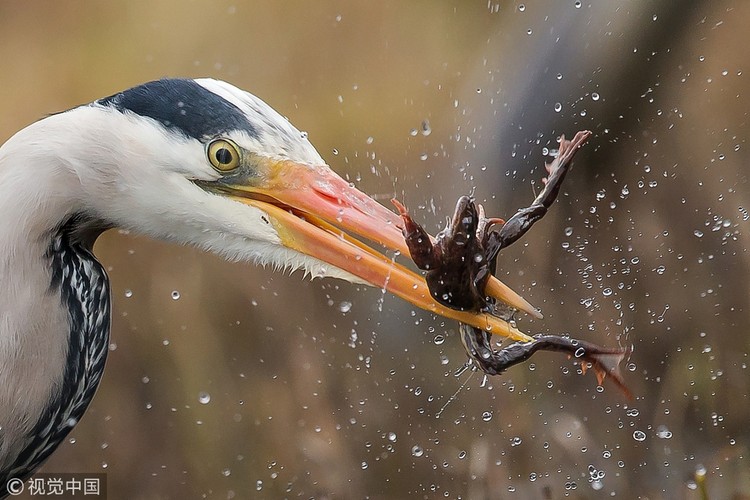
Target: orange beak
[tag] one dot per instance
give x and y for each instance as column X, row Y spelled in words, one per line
column 314, row 210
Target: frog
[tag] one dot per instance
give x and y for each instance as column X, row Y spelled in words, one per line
column 459, row 262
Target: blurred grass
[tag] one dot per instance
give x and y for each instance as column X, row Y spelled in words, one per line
column 247, row 385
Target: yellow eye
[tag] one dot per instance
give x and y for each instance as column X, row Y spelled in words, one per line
column 224, row 155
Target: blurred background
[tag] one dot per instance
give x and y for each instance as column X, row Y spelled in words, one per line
column 231, row 381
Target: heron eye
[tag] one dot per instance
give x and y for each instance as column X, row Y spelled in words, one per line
column 223, row 155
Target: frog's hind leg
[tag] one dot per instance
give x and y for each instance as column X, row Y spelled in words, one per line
column 522, row 221
column 603, row 361
column 478, row 345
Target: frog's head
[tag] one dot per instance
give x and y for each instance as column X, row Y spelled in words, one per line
column 462, row 227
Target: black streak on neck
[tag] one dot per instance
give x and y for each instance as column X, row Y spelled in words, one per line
column 82, row 284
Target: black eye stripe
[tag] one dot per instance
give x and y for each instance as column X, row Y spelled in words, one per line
column 184, row 106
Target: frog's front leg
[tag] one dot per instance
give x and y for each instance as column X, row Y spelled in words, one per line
column 424, row 253
column 517, row 225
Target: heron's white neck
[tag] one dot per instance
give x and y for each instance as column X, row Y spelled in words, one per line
column 36, row 195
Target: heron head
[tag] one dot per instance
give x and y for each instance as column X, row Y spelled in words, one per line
column 215, row 166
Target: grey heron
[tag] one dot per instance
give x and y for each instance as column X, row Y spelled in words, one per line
column 196, row 162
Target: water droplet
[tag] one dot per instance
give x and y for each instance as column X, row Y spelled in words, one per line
column 461, row 455
column 392, row 437
column 558, row 107
column 364, row 465
column 175, row 295
column 439, row 339
column 226, row 472
column 128, row 293
column 204, row 398
column 639, row 436
column 417, row 451
column 258, row 485
column 662, row 432
column 426, row 129
column 521, row 7
column 487, row 416
column 345, row 306
column 594, row 96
